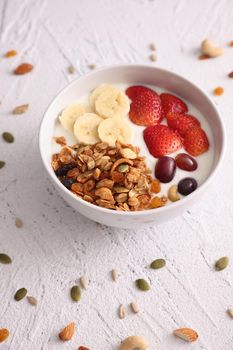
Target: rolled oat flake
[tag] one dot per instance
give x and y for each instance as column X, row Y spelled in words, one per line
column 8, row 137
column 32, row 300
column 20, row 294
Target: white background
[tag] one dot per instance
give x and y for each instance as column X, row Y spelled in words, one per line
column 57, row 245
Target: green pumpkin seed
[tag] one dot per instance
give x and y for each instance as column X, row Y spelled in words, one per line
column 20, row 294
column 142, row 284
column 2, row 164
column 123, row 168
column 221, row 263
column 75, row 293
column 8, row 137
column 5, row 259
column 158, row 264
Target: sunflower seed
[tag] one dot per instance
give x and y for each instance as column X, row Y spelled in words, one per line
column 20, row 109
column 20, row 294
column 32, row 300
column 152, row 47
column 153, row 57
column 134, row 307
column 114, row 274
column 142, row 284
column 5, row 259
column 230, row 312
column 18, row 223
column 83, row 282
column 158, row 264
column 2, row 164
column 8, row 137
column 221, row 263
column 71, row 69
column 122, row 311
column 75, row 293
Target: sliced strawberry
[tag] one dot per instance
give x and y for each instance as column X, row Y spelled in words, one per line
column 146, row 109
column 172, row 103
column 181, row 122
column 133, row 91
column 196, row 141
column 161, row 140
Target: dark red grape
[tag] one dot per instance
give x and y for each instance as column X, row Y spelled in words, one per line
column 185, row 162
column 165, row 169
column 187, row 186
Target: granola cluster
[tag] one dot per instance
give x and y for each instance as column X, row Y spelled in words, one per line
column 111, row 177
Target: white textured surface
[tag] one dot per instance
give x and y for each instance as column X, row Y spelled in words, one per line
column 56, row 245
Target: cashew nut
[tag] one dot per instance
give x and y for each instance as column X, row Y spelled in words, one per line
column 208, row 48
column 134, row 342
column 172, row 194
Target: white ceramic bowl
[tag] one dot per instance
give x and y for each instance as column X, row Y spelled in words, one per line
column 142, row 75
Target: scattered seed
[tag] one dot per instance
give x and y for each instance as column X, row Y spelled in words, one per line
column 32, row 300
column 187, row 334
column 68, row 332
column 231, row 43
column 8, row 137
column 20, row 294
column 92, row 66
column 230, row 75
column 218, row 91
column 222, row 263
column 115, row 274
column 158, row 264
column 10, row 53
column 18, row 223
column 75, row 293
column 123, row 168
column 203, row 57
column 20, row 109
column 142, row 284
column 153, row 57
column 5, row 259
column 2, row 164
column 4, row 334
column 23, row 68
column 71, row 69
column 122, row 311
column 134, row 307
column 83, row 282
column 152, row 47
column 230, row 312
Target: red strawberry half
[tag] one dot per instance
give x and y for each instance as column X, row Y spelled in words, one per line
column 196, row 141
column 181, row 122
column 173, row 104
column 133, row 91
column 161, row 140
column 146, row 109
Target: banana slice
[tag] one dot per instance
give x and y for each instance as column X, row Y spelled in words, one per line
column 99, row 90
column 86, row 128
column 70, row 114
column 112, row 104
column 112, row 129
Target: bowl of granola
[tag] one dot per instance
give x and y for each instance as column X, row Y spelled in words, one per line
column 131, row 144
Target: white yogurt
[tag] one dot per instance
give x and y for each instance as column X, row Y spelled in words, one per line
column 205, row 161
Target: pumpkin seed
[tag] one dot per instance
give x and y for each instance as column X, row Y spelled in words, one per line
column 18, row 223
column 5, row 259
column 123, row 168
column 32, row 300
column 158, row 264
column 8, row 137
column 75, row 293
column 20, row 294
column 2, row 164
column 142, row 284
column 221, row 263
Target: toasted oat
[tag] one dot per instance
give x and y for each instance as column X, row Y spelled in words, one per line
column 114, row 275
column 122, row 311
column 20, row 109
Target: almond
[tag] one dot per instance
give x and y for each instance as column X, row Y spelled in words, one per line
column 68, row 332
column 23, row 68
column 186, row 334
column 4, row 334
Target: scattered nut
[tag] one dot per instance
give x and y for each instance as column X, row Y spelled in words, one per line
column 67, row 333
column 186, row 334
column 230, row 75
column 134, row 307
column 218, row 91
column 208, row 48
column 134, row 342
column 4, row 334
column 128, row 153
column 23, row 68
column 20, row 109
column 173, row 194
column 122, row 311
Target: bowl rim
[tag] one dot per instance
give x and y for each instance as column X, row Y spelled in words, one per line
column 174, row 205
